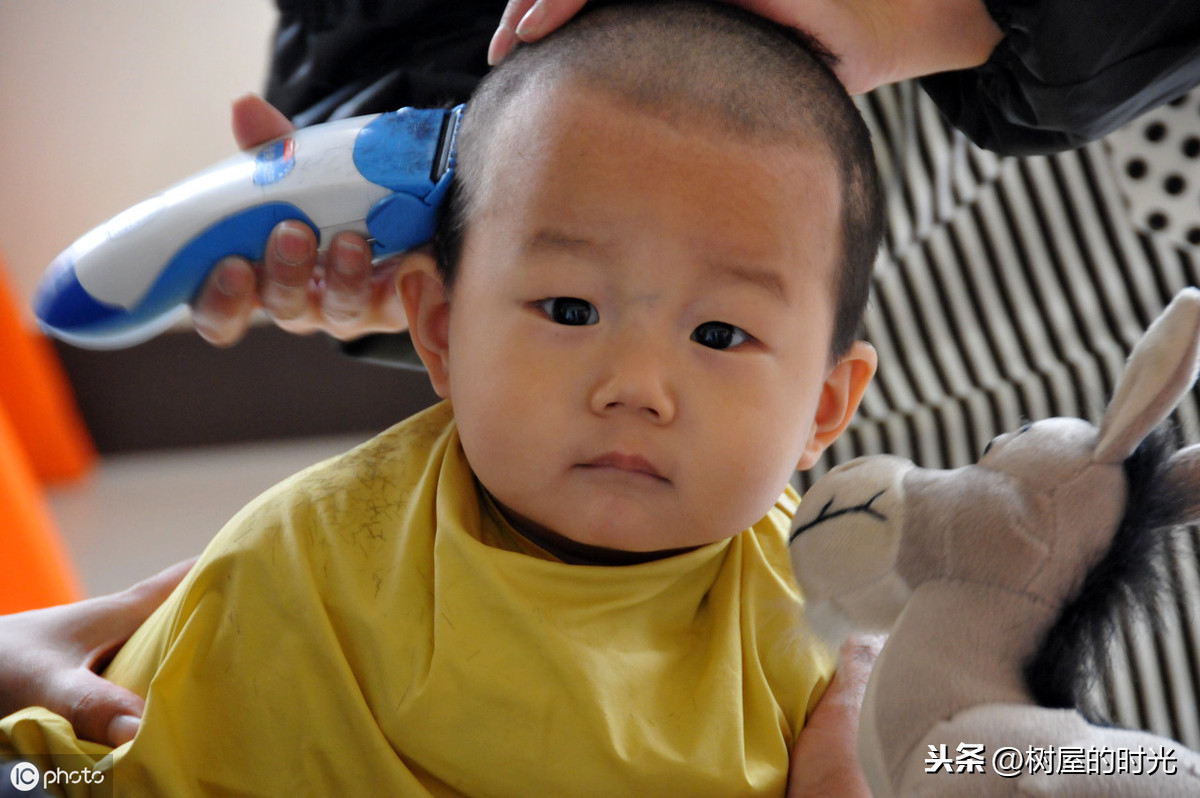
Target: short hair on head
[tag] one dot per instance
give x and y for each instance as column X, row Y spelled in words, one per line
column 695, row 62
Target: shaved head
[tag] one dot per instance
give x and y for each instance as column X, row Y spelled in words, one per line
column 699, row 65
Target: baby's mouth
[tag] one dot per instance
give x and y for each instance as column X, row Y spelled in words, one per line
column 629, row 463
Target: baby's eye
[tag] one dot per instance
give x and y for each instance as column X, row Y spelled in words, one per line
column 569, row 310
column 719, row 335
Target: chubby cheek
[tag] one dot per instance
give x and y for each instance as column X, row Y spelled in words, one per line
column 505, row 420
column 502, row 451
column 749, row 492
column 754, row 460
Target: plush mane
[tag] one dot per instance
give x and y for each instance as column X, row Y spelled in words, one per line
column 1126, row 579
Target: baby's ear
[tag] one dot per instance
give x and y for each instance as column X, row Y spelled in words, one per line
column 840, row 396
column 427, row 307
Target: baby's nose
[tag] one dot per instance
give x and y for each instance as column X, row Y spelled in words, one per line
column 636, row 381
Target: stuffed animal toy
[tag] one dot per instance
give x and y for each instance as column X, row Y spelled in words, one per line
column 998, row 584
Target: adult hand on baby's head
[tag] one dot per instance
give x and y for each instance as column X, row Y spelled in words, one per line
column 875, row 41
column 825, row 759
column 337, row 291
column 49, row 658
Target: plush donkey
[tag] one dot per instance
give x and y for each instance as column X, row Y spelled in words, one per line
column 998, row 584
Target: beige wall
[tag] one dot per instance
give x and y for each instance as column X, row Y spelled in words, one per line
column 104, row 102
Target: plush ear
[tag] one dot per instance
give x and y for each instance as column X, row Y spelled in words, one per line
column 1160, row 371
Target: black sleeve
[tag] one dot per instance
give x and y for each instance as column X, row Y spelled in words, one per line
column 1069, row 71
column 339, row 58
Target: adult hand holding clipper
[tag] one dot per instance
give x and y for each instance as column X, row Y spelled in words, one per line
column 302, row 289
column 380, row 176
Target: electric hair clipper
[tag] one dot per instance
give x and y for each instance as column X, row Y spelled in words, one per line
column 383, row 176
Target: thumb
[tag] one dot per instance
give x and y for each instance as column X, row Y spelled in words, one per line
column 824, row 760
column 844, row 698
column 256, row 121
column 99, row 710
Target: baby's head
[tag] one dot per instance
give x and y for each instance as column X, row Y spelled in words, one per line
column 647, row 290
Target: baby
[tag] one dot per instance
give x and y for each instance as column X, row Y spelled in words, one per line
column 570, row 577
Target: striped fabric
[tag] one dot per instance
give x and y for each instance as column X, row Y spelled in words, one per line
column 1013, row 289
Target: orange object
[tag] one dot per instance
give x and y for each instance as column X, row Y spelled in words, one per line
column 38, row 398
column 35, row 570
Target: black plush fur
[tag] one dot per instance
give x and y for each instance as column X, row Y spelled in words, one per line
column 1127, row 578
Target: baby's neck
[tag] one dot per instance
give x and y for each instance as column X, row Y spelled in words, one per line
column 575, row 553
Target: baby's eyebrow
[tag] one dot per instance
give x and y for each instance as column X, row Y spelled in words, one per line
column 558, row 241
column 766, row 279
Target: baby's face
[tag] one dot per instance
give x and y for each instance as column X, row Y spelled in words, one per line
column 639, row 332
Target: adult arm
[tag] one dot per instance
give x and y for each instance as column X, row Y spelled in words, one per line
column 1017, row 76
column 1067, row 72
column 875, row 41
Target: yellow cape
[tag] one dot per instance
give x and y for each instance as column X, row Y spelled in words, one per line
column 348, row 633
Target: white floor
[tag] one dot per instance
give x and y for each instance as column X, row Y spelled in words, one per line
column 138, row 513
